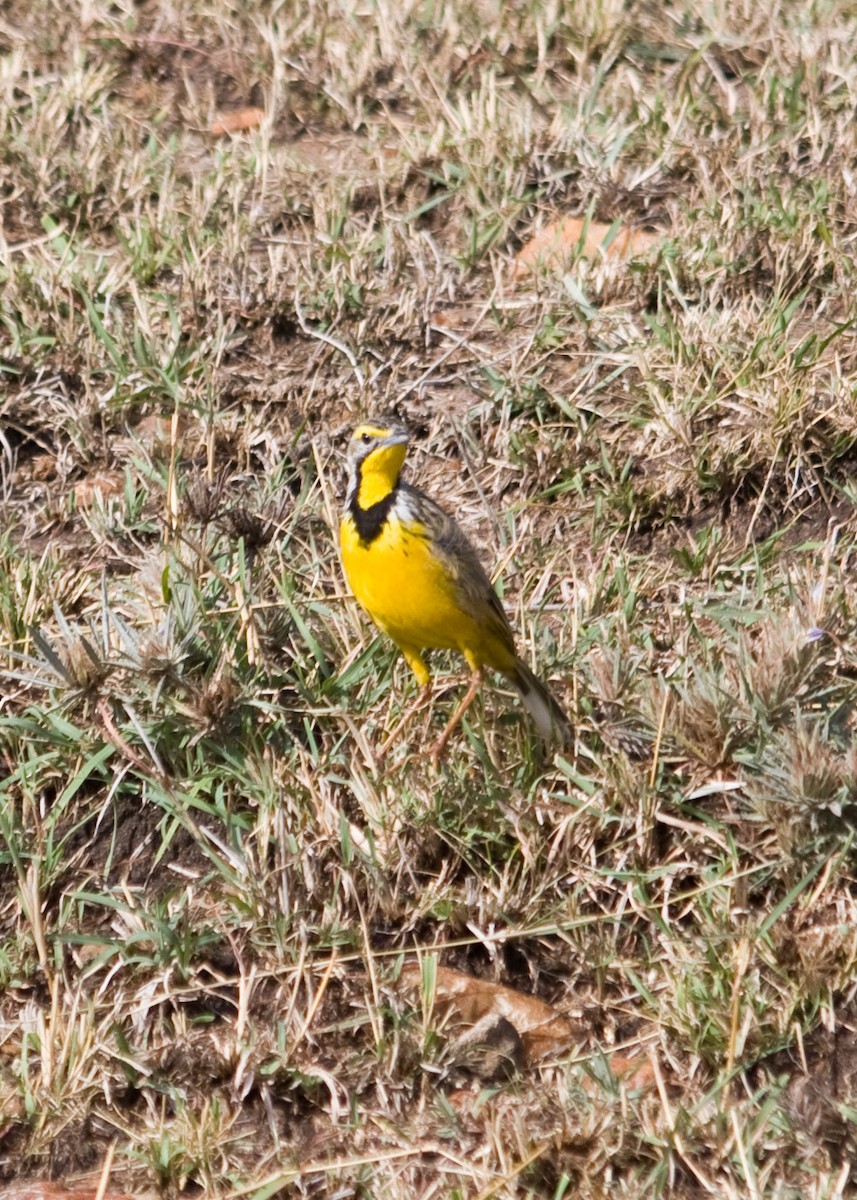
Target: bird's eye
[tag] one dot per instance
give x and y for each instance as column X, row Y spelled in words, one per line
column 366, row 438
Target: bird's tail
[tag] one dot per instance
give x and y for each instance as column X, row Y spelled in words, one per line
column 547, row 713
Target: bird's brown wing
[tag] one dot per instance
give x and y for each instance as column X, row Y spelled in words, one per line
column 462, row 565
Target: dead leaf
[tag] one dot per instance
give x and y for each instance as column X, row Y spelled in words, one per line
column 43, row 467
column 236, row 120
column 635, row 1069
column 155, row 434
column 543, row 1031
column 98, row 488
column 557, row 243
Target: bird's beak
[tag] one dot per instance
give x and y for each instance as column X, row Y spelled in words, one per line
column 399, row 437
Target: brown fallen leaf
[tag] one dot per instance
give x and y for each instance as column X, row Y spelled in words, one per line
column 557, row 243
column 98, row 487
column 43, row 467
column 635, row 1069
column 155, row 433
column 236, row 120
column 543, row 1031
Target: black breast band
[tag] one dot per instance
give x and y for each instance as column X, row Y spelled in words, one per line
column 370, row 521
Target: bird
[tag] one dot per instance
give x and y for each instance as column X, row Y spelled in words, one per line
column 416, row 575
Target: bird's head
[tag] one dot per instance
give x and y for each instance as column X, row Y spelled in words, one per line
column 375, row 455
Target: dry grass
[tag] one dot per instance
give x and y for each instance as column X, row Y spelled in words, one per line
column 208, row 886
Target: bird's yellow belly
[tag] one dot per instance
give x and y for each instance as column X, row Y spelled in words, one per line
column 405, row 589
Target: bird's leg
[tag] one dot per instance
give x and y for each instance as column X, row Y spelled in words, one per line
column 423, row 698
column 467, row 699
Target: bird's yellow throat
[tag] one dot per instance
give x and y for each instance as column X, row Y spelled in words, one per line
column 379, row 473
